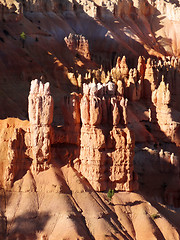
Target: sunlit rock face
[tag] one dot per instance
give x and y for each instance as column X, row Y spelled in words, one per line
column 78, row 44
column 41, row 116
column 106, row 152
column 104, row 141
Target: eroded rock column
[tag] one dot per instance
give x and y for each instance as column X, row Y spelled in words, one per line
column 106, row 150
column 166, row 115
column 92, row 138
column 40, row 116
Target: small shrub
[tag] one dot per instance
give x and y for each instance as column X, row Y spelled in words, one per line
column 110, row 194
column 155, row 216
column 23, row 38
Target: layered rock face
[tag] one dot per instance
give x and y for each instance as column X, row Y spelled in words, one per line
column 104, row 141
column 16, row 158
column 103, row 105
column 43, row 168
column 104, row 133
column 29, row 145
column 154, row 83
column 106, row 153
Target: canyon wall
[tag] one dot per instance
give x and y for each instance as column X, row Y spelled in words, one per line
column 101, row 127
column 105, row 142
column 113, row 132
column 152, row 82
column 106, row 121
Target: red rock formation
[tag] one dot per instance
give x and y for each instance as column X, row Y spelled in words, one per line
column 115, row 111
column 104, row 145
column 120, row 88
column 122, row 160
column 106, row 156
column 41, row 116
column 141, row 67
column 124, row 68
column 78, row 44
column 165, row 115
column 15, row 138
column 85, row 117
column 92, row 165
column 133, row 86
column 150, row 79
column 71, row 109
column 15, row 157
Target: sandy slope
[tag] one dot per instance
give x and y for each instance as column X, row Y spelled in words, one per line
column 60, row 204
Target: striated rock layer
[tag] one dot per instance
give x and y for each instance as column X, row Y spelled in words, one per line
column 40, row 116
column 58, row 204
column 106, row 153
column 105, row 160
column 106, row 143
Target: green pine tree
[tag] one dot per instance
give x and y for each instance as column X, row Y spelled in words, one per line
column 23, row 38
column 110, row 194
